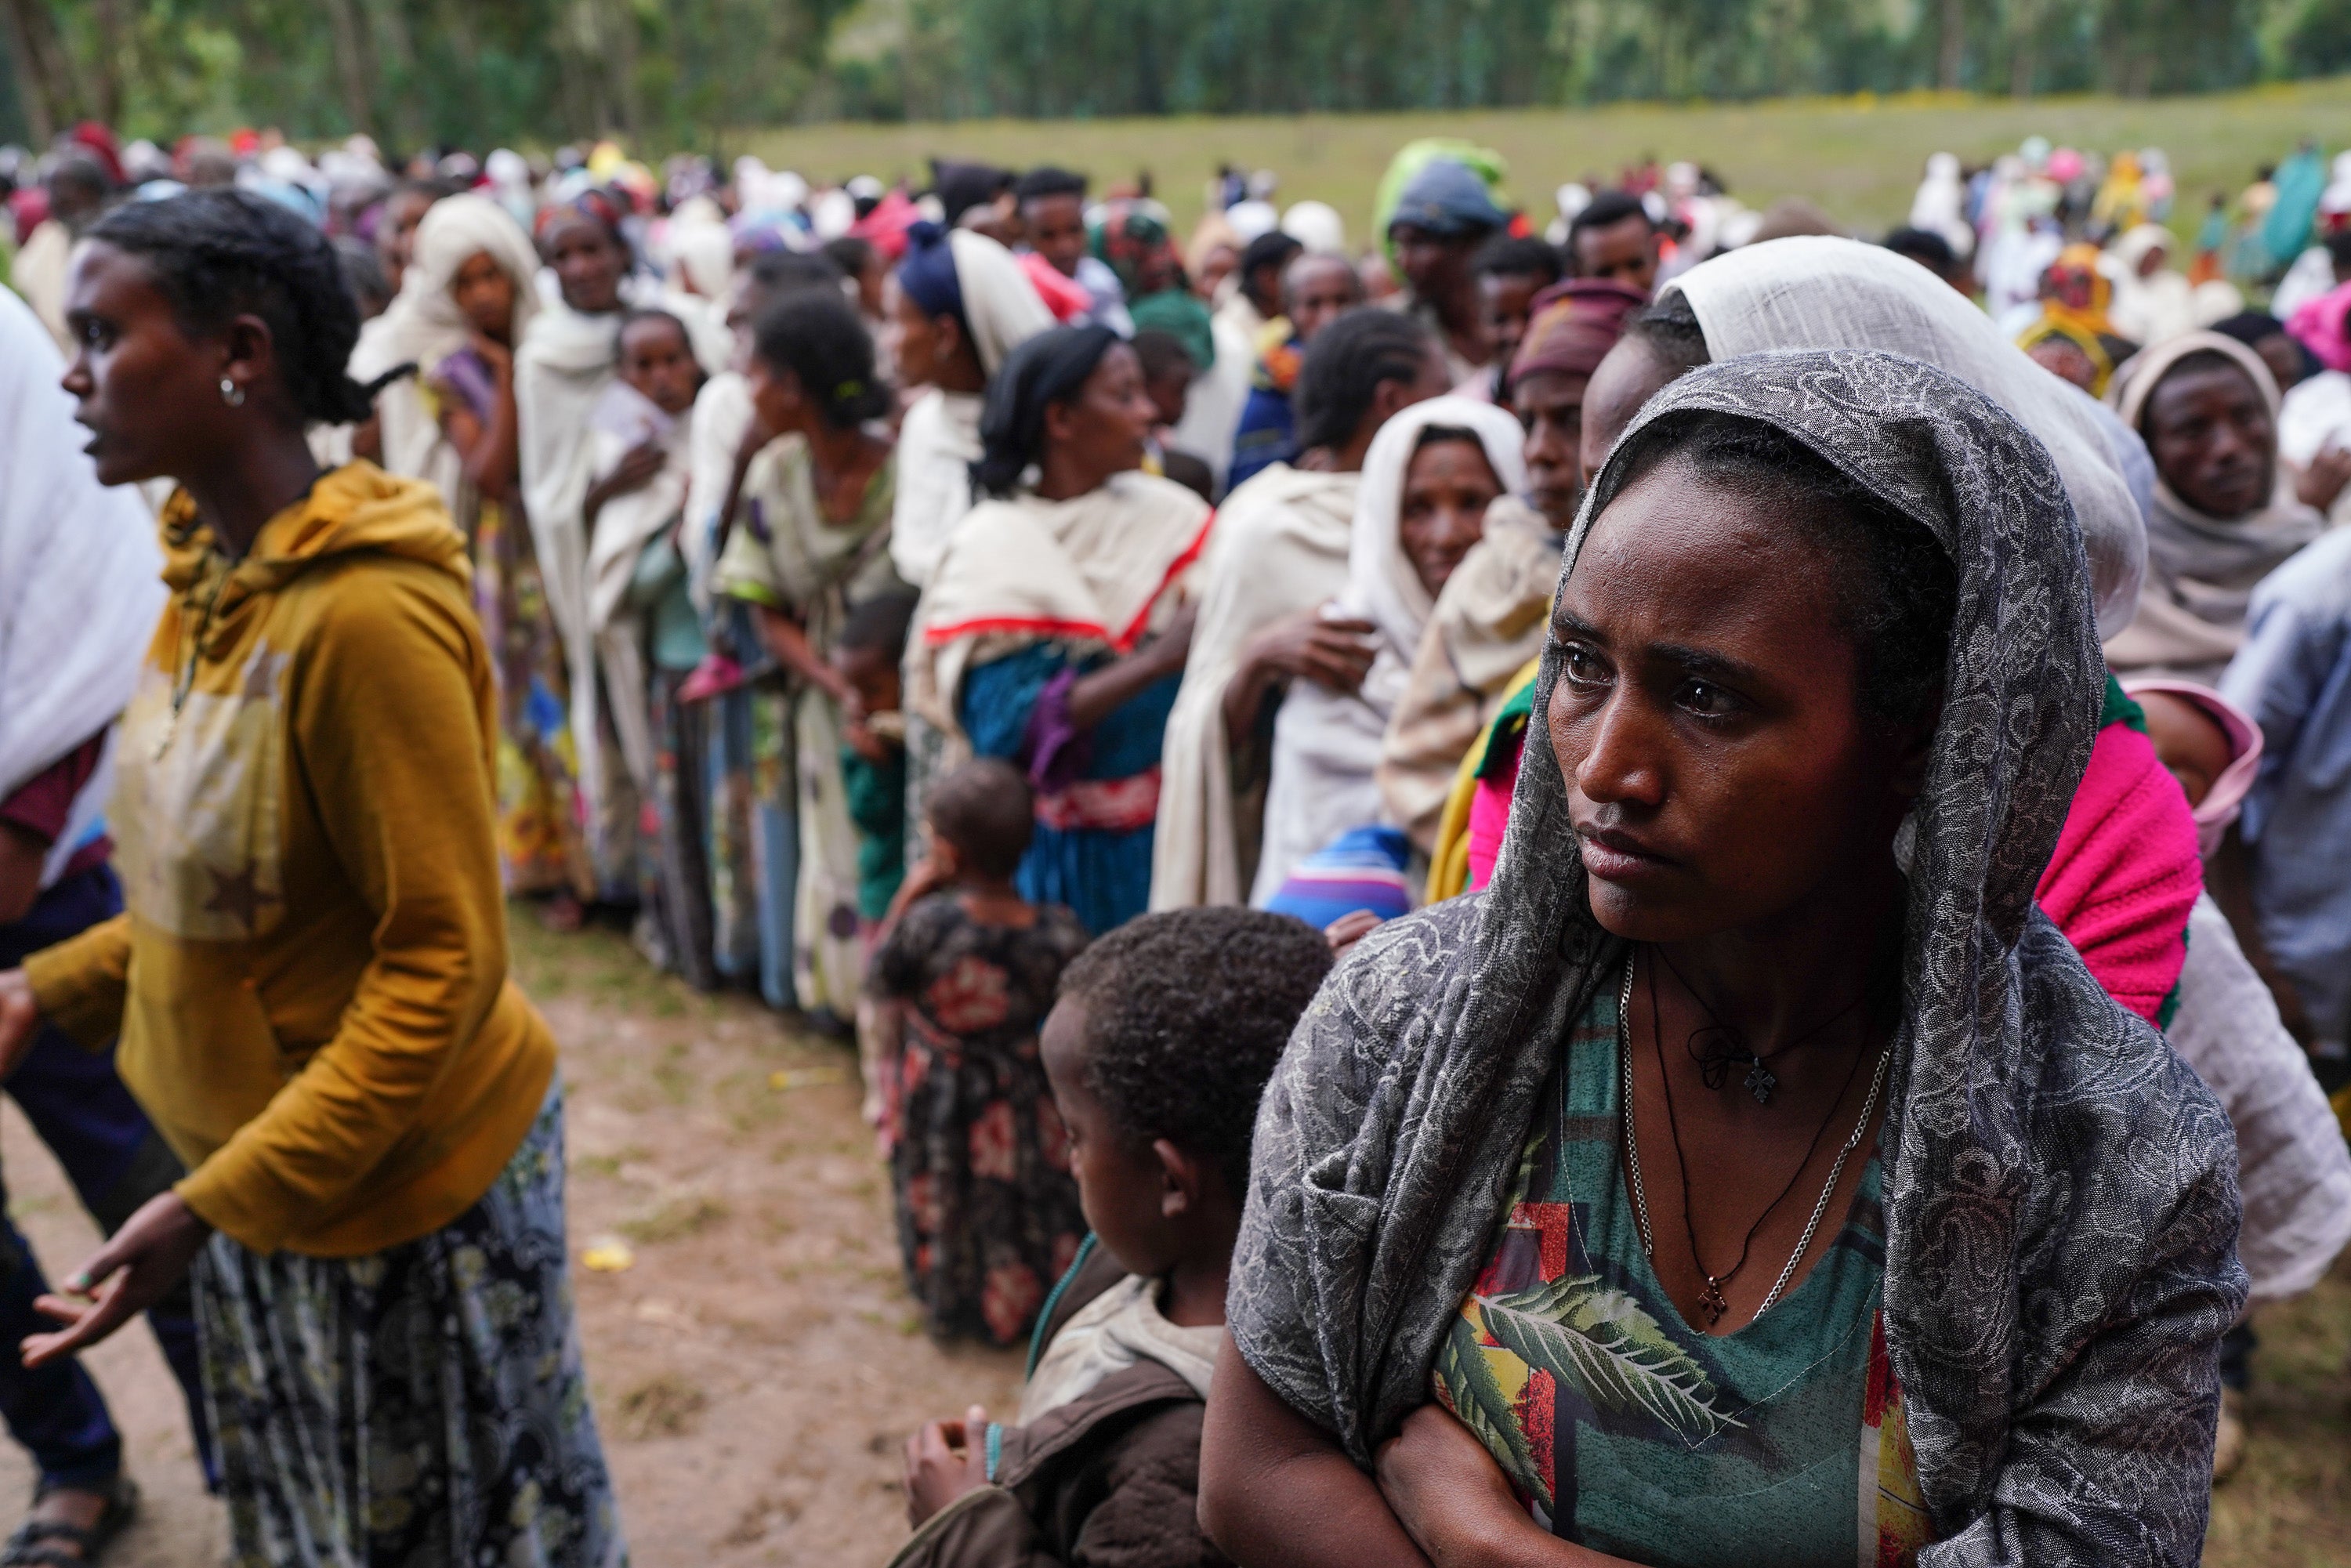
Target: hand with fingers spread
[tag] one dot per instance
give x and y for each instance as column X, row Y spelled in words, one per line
column 135, row 1269
column 945, row 1461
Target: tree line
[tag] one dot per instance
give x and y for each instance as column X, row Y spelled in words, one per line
column 679, row 73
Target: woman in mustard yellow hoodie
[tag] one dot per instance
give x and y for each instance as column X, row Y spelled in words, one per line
column 309, row 983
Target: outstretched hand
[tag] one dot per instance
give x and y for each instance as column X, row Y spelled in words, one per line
column 131, row 1272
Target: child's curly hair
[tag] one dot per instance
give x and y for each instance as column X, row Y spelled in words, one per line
column 1187, row 1013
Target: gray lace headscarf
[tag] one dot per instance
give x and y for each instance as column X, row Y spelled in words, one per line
column 2060, row 1199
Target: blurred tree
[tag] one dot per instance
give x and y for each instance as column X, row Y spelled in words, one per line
column 681, row 73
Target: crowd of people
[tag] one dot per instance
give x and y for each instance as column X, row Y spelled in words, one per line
column 1262, row 738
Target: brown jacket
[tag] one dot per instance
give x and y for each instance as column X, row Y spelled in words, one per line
column 1110, row 1480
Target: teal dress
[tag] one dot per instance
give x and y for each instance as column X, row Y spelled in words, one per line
column 1091, row 846
column 1628, row 1431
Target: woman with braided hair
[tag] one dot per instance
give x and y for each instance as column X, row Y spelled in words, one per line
column 310, row 982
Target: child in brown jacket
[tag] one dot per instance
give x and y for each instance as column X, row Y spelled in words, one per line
column 1157, row 1051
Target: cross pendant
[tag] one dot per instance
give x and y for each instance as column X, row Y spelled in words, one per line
column 1760, row 1081
column 1711, row 1302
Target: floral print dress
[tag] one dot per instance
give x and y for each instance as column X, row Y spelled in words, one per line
column 988, row 1211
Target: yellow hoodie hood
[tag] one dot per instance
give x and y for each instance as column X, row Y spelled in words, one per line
column 357, row 506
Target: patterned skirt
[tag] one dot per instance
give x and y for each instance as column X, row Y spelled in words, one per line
column 420, row 1407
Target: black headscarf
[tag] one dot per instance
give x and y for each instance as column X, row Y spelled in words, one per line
column 1048, row 369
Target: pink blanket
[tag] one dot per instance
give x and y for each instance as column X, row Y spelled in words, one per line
column 2125, row 872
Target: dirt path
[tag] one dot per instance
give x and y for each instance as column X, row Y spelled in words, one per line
column 757, row 1366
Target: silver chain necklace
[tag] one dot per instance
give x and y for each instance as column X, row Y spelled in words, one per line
column 1633, row 1148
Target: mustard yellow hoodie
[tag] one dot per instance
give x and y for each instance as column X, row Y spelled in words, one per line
column 309, row 979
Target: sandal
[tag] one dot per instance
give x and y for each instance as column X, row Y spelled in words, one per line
column 42, row 1542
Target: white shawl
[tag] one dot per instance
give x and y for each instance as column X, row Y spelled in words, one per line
column 424, row 327
column 722, row 416
column 625, row 526
column 1279, row 549
column 566, row 361
column 2292, row 1168
column 80, row 580
column 937, row 445
column 999, row 304
column 1093, row 572
column 1813, row 292
column 940, row 438
column 1326, row 745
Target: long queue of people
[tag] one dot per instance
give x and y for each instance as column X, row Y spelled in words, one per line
column 939, row 611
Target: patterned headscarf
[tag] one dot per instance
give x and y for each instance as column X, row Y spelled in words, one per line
column 1571, row 326
column 2060, row 1198
column 1134, row 241
column 595, row 204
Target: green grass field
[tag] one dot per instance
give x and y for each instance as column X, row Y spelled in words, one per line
column 1859, row 158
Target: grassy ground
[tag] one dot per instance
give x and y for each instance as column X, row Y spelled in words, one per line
column 1858, row 158
column 757, row 1367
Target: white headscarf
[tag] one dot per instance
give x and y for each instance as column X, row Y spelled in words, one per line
column 940, row 437
column 1326, row 745
column 1812, row 292
column 423, row 324
column 80, row 580
column 999, row 304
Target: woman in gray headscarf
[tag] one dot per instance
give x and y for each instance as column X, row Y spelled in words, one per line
column 1823, row 673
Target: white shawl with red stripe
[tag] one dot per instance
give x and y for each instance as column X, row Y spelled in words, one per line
column 1098, row 571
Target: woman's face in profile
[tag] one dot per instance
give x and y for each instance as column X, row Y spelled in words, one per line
column 1718, row 772
column 150, row 398
column 1105, row 427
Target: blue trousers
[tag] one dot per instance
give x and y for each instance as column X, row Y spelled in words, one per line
column 116, row 1162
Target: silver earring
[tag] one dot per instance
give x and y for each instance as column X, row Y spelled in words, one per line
column 231, row 394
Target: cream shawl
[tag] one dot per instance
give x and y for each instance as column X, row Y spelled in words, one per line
column 424, row 327
column 2202, row 570
column 566, row 361
column 937, row 445
column 1488, row 622
column 1099, row 571
column 80, row 580
column 1326, row 745
column 1279, row 549
column 625, row 526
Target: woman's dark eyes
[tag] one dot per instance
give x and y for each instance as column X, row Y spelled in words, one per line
column 1707, row 699
column 1581, row 668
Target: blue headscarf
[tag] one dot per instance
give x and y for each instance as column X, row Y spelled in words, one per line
column 928, row 272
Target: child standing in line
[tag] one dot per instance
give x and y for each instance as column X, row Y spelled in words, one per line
column 647, row 631
column 979, row 1166
column 1158, row 1050
column 873, row 749
column 873, row 788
